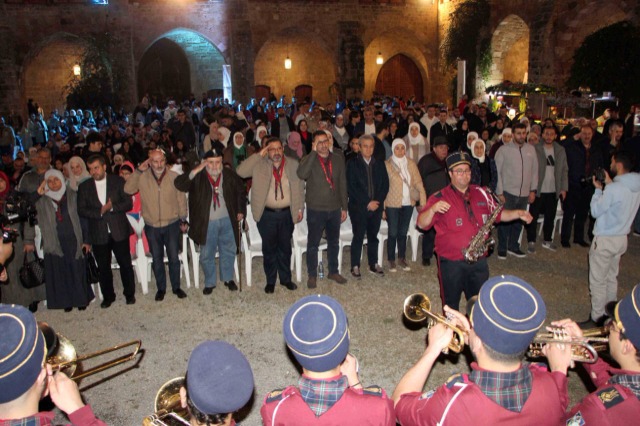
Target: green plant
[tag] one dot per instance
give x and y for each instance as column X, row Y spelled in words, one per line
column 609, row 60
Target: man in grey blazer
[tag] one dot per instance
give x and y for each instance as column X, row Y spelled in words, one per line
column 103, row 203
column 553, row 183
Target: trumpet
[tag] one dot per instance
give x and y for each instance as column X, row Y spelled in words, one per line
column 583, row 349
column 167, row 406
column 417, row 308
column 62, row 356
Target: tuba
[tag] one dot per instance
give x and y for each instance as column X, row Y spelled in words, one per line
column 417, row 308
column 62, row 356
column 167, row 406
column 483, row 241
column 583, row 349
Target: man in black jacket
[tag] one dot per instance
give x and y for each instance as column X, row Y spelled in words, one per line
column 433, row 170
column 103, row 203
column 367, row 186
column 217, row 204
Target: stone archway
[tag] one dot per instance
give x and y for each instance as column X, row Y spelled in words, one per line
column 400, row 76
column 312, row 64
column 48, row 70
column 164, row 71
column 510, row 51
column 205, row 62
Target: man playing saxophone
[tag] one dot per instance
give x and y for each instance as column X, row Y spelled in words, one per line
column 459, row 212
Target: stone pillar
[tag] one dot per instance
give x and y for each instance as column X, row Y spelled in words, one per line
column 350, row 59
column 241, row 59
column 10, row 82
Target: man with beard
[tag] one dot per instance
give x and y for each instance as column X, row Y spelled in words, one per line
column 217, row 204
column 277, row 202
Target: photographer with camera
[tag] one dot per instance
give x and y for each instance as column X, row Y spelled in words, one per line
column 614, row 209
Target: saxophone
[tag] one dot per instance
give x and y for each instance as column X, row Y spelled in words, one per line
column 482, row 241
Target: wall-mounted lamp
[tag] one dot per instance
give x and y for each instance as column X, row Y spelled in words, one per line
column 379, row 59
column 76, row 70
column 287, row 63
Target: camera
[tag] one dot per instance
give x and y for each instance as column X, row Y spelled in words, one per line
column 598, row 173
column 18, row 209
column 9, row 235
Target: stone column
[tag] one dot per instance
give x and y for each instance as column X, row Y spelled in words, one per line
column 10, row 82
column 350, row 59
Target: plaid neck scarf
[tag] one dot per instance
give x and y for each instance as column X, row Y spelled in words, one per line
column 508, row 390
column 44, row 418
column 58, row 205
column 321, row 395
column 277, row 175
column 215, row 188
column 631, row 381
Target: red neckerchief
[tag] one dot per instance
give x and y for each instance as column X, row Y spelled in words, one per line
column 327, row 175
column 159, row 179
column 277, row 175
column 216, row 188
column 59, row 207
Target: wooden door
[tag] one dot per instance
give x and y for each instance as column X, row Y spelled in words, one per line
column 304, row 92
column 262, row 91
column 399, row 76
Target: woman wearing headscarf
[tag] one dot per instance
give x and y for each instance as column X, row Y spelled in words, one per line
column 236, row 152
column 340, row 134
column 471, row 136
column 405, row 189
column 78, row 172
column 505, row 138
column 460, row 135
column 483, row 168
column 294, row 147
column 225, row 134
column 213, row 135
column 416, row 144
column 261, row 132
column 66, row 283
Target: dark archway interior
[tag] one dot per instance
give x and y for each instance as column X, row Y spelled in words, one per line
column 164, row 71
column 400, row 76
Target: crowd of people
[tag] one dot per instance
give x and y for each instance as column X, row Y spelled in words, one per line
column 202, row 167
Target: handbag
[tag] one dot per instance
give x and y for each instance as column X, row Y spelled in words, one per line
column 32, row 271
column 93, row 276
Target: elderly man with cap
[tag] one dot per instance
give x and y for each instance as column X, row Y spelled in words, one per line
column 277, row 202
column 219, row 381
column 500, row 389
column 217, row 204
column 617, row 399
column 24, row 378
column 329, row 392
column 458, row 212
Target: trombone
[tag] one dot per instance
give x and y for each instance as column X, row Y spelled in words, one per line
column 417, row 308
column 167, row 406
column 583, row 349
column 62, row 356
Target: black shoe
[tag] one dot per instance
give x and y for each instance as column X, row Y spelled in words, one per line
column 517, row 253
column 82, row 308
column 376, row 270
column 582, row 243
column 502, row 255
column 289, row 285
column 591, row 323
column 180, row 293
column 33, row 307
column 68, row 309
column 565, row 244
column 426, row 262
column 231, row 285
column 355, row 271
column 106, row 303
column 270, row 288
column 160, row 296
column 131, row 300
column 207, row 290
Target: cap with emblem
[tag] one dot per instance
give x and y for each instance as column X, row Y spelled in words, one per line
column 22, row 351
column 457, row 158
column 219, row 378
column 626, row 313
column 212, row 153
column 508, row 314
column 440, row 140
column 317, row 332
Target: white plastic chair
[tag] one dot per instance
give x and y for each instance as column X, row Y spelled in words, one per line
column 139, row 263
column 414, row 235
column 556, row 223
column 346, row 236
column 251, row 244
column 383, row 236
column 300, row 234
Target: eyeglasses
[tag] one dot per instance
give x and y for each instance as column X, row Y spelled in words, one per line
column 322, row 141
column 461, row 172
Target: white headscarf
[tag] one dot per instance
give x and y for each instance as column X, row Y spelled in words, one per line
column 224, row 135
column 234, row 140
column 469, row 136
column 401, row 162
column 506, row 130
column 258, row 130
column 418, row 140
column 473, row 147
column 74, row 180
column 55, row 195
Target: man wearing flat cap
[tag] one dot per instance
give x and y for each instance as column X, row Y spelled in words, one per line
column 24, row 378
column 329, row 391
column 219, row 382
column 501, row 388
column 457, row 212
column 217, row 204
column 617, row 399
